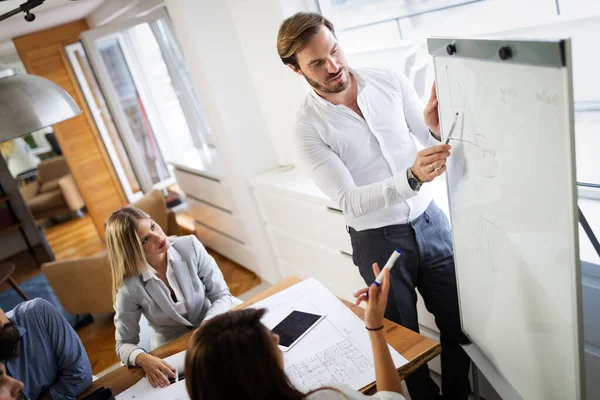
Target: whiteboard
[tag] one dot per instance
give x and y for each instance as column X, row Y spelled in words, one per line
column 511, row 189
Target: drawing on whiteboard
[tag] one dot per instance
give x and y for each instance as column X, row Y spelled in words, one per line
column 486, row 232
column 337, row 364
column 508, row 94
column 546, row 98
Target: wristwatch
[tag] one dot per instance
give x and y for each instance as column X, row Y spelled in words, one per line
column 413, row 182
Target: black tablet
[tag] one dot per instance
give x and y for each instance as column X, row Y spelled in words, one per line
column 294, row 327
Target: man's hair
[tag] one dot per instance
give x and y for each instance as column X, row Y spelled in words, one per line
column 9, row 341
column 295, row 33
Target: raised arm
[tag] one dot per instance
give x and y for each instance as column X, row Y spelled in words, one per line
column 385, row 371
column 416, row 114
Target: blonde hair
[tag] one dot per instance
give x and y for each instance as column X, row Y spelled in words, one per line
column 295, row 33
column 125, row 251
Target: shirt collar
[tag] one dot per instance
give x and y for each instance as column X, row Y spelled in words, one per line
column 360, row 80
column 172, row 255
column 19, row 328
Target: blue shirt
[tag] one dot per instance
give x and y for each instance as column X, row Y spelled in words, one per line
column 51, row 358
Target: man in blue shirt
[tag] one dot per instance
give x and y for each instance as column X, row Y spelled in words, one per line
column 40, row 349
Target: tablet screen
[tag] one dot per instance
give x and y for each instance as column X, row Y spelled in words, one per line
column 294, row 326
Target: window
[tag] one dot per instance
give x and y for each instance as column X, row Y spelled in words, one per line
column 150, row 95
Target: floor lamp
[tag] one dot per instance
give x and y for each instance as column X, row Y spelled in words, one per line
column 28, row 103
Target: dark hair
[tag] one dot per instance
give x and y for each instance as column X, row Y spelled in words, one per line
column 9, row 341
column 295, row 33
column 233, row 356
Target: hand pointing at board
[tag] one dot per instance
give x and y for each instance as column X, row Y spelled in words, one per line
column 431, row 162
column 430, row 114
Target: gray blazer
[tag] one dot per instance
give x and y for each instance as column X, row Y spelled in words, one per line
column 204, row 290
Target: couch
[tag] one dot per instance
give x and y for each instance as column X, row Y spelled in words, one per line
column 54, row 191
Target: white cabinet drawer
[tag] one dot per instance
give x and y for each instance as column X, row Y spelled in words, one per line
column 335, row 270
column 220, row 220
column 201, row 188
column 227, row 247
column 311, row 222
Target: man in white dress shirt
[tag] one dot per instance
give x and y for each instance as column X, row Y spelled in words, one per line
column 355, row 136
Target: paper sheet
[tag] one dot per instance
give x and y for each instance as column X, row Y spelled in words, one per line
column 143, row 389
column 336, row 350
column 177, row 361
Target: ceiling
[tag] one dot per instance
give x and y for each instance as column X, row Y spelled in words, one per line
column 9, row 5
column 51, row 13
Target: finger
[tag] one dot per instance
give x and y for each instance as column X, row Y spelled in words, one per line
column 151, row 380
column 436, row 165
column 164, row 381
column 431, row 175
column 439, row 171
column 373, row 292
column 434, row 157
column 376, row 269
column 361, row 292
column 361, row 298
column 385, row 287
column 168, row 369
column 440, row 148
column 430, row 108
column 433, row 95
column 157, row 379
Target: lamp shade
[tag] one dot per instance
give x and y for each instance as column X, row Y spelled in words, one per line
column 29, row 103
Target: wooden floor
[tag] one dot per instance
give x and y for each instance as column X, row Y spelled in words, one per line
column 78, row 238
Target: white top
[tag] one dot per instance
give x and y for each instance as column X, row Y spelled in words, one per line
column 179, row 305
column 350, row 394
column 361, row 163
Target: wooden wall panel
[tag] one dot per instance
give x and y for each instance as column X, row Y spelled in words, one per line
column 42, row 54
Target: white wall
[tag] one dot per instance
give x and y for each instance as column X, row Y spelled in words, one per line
column 279, row 91
column 238, row 91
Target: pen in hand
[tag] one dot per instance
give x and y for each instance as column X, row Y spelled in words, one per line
column 452, row 129
column 388, row 265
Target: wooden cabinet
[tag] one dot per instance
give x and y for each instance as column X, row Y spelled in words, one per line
column 43, row 55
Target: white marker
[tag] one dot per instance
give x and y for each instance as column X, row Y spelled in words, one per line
column 452, row 129
column 388, row 265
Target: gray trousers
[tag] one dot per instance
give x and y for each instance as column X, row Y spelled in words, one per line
column 426, row 264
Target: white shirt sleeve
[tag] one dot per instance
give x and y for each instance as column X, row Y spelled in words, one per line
column 413, row 111
column 331, row 175
column 340, row 392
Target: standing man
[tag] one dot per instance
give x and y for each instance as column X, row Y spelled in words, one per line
column 354, row 134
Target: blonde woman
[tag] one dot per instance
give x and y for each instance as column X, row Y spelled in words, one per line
column 175, row 284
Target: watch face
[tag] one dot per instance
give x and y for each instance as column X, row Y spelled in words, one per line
column 414, row 184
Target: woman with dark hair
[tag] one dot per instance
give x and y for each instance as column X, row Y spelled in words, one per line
column 234, row 356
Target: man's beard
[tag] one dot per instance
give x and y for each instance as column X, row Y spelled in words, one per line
column 9, row 341
column 337, row 87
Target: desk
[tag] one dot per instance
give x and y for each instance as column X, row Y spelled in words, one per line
column 415, row 348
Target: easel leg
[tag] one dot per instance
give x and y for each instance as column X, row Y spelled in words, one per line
column 475, row 377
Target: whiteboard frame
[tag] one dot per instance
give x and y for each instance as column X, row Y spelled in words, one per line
column 545, row 53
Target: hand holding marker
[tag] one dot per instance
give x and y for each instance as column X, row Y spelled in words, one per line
column 452, row 128
column 388, row 265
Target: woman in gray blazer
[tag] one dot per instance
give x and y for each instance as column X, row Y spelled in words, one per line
column 174, row 283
